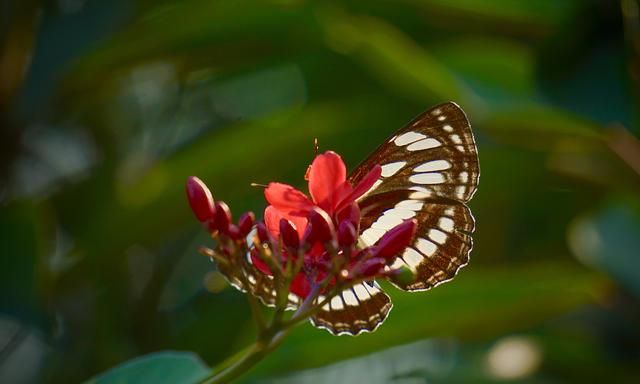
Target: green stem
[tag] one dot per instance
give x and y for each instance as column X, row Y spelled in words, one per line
column 267, row 341
column 253, row 355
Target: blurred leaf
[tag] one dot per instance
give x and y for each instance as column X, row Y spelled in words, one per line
column 244, row 29
column 21, row 243
column 186, row 278
column 243, row 97
column 479, row 304
column 24, row 352
column 432, row 356
column 391, row 56
column 510, row 15
column 158, row 368
column 610, row 240
column 579, row 85
column 539, row 126
column 497, row 69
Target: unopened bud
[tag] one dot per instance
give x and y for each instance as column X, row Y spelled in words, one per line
column 346, row 234
column 396, row 240
column 370, row 267
column 263, row 233
column 351, row 213
column 245, row 223
column 200, row 199
column 223, row 216
column 234, row 232
column 289, row 234
column 320, row 227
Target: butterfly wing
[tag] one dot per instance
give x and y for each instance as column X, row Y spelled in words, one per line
column 251, row 280
column 361, row 308
column 430, row 170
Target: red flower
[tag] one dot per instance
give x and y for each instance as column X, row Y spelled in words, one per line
column 329, row 190
column 323, row 230
column 330, row 216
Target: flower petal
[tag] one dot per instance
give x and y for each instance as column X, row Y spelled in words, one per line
column 363, row 187
column 258, row 263
column 287, row 199
column 300, row 285
column 326, row 179
column 272, row 217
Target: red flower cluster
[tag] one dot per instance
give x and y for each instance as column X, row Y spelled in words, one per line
column 315, row 239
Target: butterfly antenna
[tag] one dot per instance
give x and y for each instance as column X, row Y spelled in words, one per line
column 258, row 185
column 315, row 145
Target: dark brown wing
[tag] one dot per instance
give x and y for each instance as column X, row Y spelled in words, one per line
column 361, row 308
column 429, row 171
column 257, row 283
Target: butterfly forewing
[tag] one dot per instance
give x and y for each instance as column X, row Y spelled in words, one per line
column 429, row 171
column 435, row 153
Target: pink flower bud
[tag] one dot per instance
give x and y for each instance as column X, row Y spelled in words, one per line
column 289, row 234
column 323, row 225
column 352, row 213
column 396, row 240
column 234, row 232
column 346, row 234
column 370, row 267
column 200, row 199
column 320, row 227
column 222, row 217
column 245, row 223
column 263, row 234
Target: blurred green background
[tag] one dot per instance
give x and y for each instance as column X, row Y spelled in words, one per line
column 107, row 107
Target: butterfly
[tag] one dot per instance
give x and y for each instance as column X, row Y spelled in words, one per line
column 430, row 170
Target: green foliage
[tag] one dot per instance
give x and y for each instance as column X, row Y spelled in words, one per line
column 161, row 367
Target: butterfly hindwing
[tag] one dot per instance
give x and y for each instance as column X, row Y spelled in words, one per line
column 443, row 237
column 361, row 308
column 430, row 170
column 258, row 284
